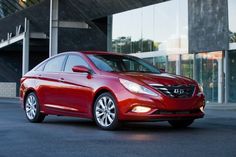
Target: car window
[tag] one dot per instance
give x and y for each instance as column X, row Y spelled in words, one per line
column 55, row 64
column 74, row 60
column 118, row 63
column 40, row 68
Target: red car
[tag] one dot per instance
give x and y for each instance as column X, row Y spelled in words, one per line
column 109, row 88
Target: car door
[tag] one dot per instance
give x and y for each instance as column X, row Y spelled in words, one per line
column 76, row 91
column 49, row 84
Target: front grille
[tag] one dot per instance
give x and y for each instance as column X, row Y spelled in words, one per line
column 179, row 91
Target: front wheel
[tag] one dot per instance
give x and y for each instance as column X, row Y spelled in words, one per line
column 32, row 109
column 180, row 123
column 106, row 112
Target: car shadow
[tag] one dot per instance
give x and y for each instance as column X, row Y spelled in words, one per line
column 125, row 126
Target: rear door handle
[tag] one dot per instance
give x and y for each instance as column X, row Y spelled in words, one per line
column 39, row 76
column 61, row 79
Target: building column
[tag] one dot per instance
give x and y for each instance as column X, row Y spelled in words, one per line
column 109, row 33
column 25, row 55
column 220, row 80
column 53, row 39
column 167, row 68
column 195, row 66
column 178, row 65
column 226, row 76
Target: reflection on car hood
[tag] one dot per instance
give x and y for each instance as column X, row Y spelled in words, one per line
column 164, row 79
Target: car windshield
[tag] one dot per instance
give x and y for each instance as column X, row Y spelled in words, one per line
column 117, row 63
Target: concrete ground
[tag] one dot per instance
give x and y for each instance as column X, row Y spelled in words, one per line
column 211, row 136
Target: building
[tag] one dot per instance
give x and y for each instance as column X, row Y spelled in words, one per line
column 194, row 38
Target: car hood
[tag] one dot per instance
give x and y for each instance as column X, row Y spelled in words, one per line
column 164, row 79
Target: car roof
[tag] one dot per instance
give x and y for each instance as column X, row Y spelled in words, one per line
column 92, row 52
column 100, row 52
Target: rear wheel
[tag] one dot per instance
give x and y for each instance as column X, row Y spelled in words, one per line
column 106, row 112
column 32, row 109
column 181, row 123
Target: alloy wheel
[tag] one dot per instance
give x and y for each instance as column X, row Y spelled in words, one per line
column 105, row 112
column 31, row 107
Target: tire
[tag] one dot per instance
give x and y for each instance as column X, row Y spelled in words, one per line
column 32, row 109
column 181, row 123
column 105, row 112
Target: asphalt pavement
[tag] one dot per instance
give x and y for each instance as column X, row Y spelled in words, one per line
column 212, row 136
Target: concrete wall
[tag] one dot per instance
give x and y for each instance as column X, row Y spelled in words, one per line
column 7, row 89
column 94, row 9
column 208, row 25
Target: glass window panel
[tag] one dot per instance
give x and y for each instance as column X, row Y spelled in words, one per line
column 149, row 60
column 74, row 60
column 232, row 76
column 172, row 63
column 207, row 74
column 187, row 65
column 152, row 28
column 160, row 62
column 55, row 64
column 232, row 20
column 147, row 29
column 126, row 32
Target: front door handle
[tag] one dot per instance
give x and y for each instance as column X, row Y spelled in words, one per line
column 61, row 79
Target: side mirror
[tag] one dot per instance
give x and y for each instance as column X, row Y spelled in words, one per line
column 81, row 69
column 162, row 70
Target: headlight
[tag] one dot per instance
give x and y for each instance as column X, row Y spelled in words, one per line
column 136, row 88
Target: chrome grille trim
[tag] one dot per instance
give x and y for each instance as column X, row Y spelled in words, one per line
column 188, row 90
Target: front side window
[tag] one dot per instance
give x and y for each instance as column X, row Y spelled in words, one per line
column 116, row 63
column 74, row 60
column 55, row 64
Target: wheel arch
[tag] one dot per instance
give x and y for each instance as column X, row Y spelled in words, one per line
column 30, row 90
column 97, row 94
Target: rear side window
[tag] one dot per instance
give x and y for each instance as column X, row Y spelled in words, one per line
column 40, row 68
column 74, row 60
column 55, row 64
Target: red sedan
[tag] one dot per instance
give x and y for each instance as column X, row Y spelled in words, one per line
column 109, row 88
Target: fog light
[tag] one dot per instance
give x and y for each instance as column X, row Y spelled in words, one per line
column 141, row 109
column 202, row 109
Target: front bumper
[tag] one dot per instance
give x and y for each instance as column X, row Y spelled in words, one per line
column 161, row 108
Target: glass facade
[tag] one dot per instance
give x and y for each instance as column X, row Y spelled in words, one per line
column 152, row 28
column 163, row 28
column 232, row 76
column 172, row 64
column 160, row 62
column 208, row 73
column 156, row 28
column 232, row 20
column 187, row 65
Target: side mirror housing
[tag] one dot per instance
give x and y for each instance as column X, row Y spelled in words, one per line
column 81, row 69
